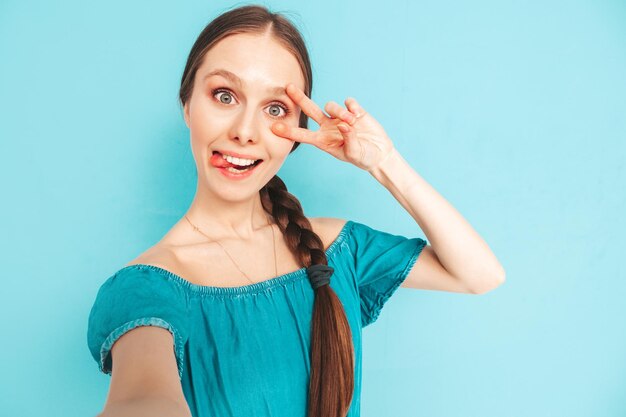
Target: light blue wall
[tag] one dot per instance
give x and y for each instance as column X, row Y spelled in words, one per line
column 513, row 111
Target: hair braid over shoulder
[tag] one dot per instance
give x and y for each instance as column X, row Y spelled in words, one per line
column 332, row 351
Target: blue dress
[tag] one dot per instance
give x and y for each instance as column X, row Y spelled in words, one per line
column 244, row 351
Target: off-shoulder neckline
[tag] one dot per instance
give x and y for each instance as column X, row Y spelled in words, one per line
column 244, row 289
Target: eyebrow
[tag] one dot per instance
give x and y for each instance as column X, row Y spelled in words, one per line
column 236, row 80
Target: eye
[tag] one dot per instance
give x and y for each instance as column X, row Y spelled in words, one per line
column 222, row 90
column 229, row 97
column 281, row 106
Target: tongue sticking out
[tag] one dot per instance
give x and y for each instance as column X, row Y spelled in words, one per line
column 218, row 161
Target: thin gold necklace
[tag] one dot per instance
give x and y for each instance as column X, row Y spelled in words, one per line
column 231, row 258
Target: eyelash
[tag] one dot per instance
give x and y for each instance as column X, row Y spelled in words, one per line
column 275, row 103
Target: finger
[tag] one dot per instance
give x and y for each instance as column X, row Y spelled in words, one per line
column 350, row 142
column 337, row 111
column 355, row 108
column 294, row 133
column 344, row 128
column 347, row 132
column 306, row 104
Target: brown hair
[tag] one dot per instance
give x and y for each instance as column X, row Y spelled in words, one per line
column 331, row 385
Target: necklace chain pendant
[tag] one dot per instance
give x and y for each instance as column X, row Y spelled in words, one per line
column 196, row 228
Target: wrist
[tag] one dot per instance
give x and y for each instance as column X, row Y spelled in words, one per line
column 388, row 161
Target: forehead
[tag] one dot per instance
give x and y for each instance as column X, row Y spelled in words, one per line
column 258, row 60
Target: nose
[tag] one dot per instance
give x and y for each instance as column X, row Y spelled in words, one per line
column 244, row 128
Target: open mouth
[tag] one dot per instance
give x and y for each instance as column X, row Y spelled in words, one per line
column 218, row 161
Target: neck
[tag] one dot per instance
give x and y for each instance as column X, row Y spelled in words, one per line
column 224, row 219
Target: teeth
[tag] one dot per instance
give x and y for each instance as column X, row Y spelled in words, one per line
column 238, row 161
column 237, row 171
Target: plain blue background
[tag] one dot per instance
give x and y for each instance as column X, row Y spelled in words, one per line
column 513, row 111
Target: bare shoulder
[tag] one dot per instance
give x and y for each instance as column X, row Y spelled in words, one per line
column 158, row 255
column 327, row 228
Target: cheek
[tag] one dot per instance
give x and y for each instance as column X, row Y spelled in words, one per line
column 285, row 151
column 207, row 124
column 202, row 110
column 276, row 148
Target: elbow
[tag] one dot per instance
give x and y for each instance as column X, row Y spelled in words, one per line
column 491, row 284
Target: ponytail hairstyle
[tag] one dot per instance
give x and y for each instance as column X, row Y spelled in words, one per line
column 331, row 385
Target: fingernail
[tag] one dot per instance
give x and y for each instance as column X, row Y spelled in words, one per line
column 343, row 128
column 279, row 126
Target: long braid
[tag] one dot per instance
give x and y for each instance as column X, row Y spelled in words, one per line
column 331, row 384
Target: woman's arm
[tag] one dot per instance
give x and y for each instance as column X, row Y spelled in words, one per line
column 459, row 248
column 457, row 259
column 146, row 407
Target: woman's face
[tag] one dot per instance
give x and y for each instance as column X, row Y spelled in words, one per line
column 231, row 116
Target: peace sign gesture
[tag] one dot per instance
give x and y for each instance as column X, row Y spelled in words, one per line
column 351, row 135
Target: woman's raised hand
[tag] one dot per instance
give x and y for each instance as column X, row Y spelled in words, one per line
column 351, row 134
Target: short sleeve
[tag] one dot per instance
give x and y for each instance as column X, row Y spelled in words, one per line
column 136, row 296
column 382, row 262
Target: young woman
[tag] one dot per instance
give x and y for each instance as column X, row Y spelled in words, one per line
column 246, row 307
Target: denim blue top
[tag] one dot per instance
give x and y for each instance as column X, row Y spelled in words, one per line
column 244, row 351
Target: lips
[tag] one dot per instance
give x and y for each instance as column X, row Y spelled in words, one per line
column 224, row 167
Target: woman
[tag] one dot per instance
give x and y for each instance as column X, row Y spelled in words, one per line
column 241, row 286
